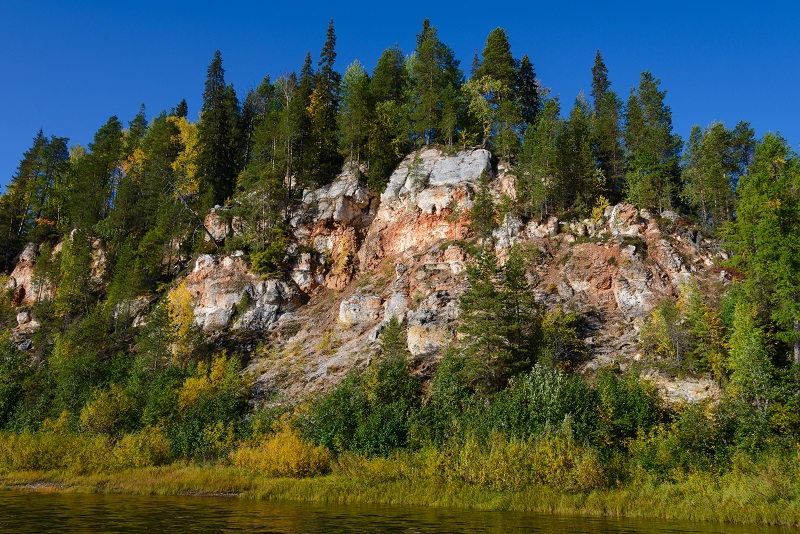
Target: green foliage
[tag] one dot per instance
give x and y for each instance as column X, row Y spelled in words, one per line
column 692, row 442
column 211, row 404
column 369, row 412
column 499, row 320
column 627, row 406
column 764, row 237
column 482, row 215
column 269, row 261
column 652, row 149
column 15, row 367
column 543, row 400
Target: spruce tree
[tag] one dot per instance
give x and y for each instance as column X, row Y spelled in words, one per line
column 355, row 112
column 218, row 155
column 435, row 86
column 388, row 140
column 499, row 321
column 537, row 185
column 325, row 160
column 527, row 92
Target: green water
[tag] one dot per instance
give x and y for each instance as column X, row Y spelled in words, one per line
column 47, row 512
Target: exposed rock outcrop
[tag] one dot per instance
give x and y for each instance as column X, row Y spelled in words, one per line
column 226, row 294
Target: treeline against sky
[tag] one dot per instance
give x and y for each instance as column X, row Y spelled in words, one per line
column 123, row 216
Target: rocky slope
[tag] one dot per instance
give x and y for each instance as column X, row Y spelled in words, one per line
column 358, row 260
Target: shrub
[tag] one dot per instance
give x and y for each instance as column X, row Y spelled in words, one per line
column 553, row 460
column 284, row 453
column 627, row 405
column 148, row 447
column 545, row 398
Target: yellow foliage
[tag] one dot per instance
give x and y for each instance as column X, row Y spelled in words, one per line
column 103, row 413
column 148, row 447
column 185, row 165
column 599, row 209
column 315, row 104
column 181, row 315
column 555, row 461
column 285, row 454
column 209, row 380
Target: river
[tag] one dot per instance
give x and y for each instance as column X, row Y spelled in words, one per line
column 58, row 512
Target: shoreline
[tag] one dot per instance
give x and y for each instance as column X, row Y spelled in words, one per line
column 692, row 500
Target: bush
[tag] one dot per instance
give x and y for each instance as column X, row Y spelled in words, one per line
column 284, row 453
column 148, row 447
column 553, row 460
column 627, row 406
column 545, row 398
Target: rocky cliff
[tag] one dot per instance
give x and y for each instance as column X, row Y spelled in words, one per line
column 357, row 260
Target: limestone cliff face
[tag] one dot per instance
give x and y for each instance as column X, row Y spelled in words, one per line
column 357, row 260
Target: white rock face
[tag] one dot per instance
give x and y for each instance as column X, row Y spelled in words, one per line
column 430, row 178
column 538, row 230
column 224, row 288
column 360, row 309
column 395, row 306
column 267, row 300
column 342, row 201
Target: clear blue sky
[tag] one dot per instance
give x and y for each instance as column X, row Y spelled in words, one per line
column 68, row 66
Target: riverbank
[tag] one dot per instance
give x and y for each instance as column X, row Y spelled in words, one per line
column 733, row 497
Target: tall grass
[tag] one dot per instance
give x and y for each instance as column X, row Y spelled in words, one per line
column 551, row 473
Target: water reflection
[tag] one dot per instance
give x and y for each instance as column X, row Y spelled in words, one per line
column 46, row 512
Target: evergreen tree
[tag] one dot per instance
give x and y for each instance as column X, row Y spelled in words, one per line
column 576, row 184
column 389, row 135
column 709, row 173
column 606, row 130
column 30, row 203
column 537, row 185
column 527, row 92
column 490, row 95
column 653, row 151
column 217, row 160
column 324, row 157
column 355, row 111
column 765, row 236
column 499, row 321
column 435, row 85
column 497, row 61
column 181, row 110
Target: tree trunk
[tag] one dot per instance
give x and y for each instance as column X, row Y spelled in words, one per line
column 797, row 342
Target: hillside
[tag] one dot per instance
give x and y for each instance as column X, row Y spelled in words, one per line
column 357, row 259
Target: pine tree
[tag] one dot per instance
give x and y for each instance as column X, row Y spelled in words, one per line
column 16, row 219
column 497, row 61
column 606, row 130
column 653, row 151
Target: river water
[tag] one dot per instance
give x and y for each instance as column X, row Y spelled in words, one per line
column 54, row 512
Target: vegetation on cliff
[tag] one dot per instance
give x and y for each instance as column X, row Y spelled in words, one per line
column 90, row 390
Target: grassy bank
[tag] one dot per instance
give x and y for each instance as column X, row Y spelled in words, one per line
column 756, row 497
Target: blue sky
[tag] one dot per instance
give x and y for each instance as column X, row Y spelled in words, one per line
column 68, row 66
